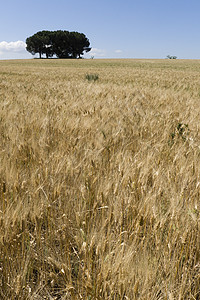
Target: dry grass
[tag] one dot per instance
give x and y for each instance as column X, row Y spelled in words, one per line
column 99, row 181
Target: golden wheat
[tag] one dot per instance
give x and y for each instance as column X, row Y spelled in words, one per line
column 99, row 180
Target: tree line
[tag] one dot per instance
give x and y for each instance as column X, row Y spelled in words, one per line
column 62, row 43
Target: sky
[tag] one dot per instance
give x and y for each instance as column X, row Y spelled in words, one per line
column 115, row 28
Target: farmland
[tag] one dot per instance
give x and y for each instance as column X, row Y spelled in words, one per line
column 99, row 179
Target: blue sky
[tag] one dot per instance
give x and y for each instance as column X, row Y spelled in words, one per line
column 116, row 29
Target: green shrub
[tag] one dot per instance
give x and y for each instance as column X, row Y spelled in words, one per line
column 92, row 77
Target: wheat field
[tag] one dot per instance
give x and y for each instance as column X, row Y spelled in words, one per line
column 100, row 179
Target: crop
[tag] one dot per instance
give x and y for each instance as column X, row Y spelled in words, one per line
column 99, row 183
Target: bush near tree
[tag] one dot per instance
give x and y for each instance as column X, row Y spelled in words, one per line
column 171, row 57
column 62, row 43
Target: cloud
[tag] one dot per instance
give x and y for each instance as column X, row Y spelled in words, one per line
column 16, row 47
column 118, row 51
column 97, row 52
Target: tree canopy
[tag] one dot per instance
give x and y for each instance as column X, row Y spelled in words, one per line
column 63, row 44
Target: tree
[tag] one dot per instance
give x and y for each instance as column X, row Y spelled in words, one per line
column 40, row 42
column 47, row 42
column 63, row 44
column 34, row 45
column 79, row 43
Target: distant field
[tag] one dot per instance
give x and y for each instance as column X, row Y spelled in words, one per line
column 100, row 180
